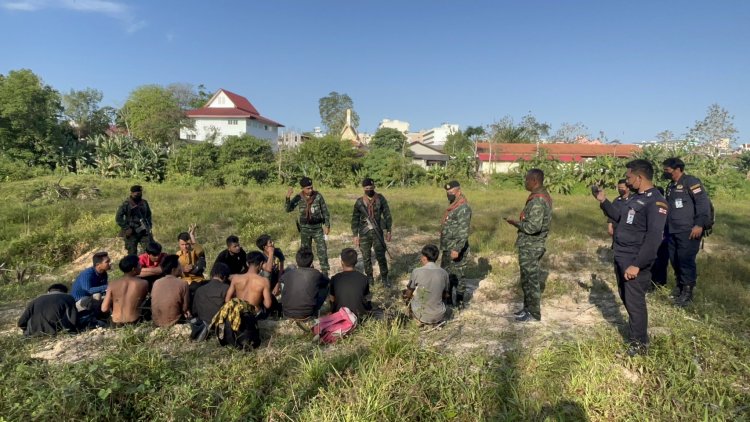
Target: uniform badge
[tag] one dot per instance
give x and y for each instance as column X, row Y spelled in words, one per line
column 662, row 211
column 631, row 216
column 678, row 186
column 678, row 203
column 649, row 194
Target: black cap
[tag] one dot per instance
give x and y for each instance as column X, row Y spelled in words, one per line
column 452, row 184
column 367, row 182
column 305, row 182
column 136, row 188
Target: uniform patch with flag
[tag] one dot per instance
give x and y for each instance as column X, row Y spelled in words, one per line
column 662, row 207
column 696, row 189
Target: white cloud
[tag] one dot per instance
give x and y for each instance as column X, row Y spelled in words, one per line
column 114, row 10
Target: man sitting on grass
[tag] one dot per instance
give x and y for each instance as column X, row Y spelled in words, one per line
column 151, row 263
column 170, row 297
column 91, row 284
column 428, row 287
column 233, row 256
column 251, row 287
column 304, row 289
column 350, row 287
column 191, row 255
column 50, row 313
column 126, row 294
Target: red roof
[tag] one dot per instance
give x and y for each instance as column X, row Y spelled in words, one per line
column 242, row 109
column 562, row 152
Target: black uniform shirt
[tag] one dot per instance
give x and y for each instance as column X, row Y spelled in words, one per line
column 688, row 204
column 640, row 225
column 48, row 314
column 209, row 298
column 618, row 203
column 302, row 288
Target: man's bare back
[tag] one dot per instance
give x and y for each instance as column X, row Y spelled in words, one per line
column 124, row 297
column 252, row 288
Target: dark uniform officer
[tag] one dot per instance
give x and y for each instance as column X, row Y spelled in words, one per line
column 640, row 225
column 690, row 213
column 371, row 227
column 134, row 219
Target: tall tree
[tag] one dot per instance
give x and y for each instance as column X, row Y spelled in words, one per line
column 458, row 144
column 475, row 134
column 153, row 114
column 29, row 111
column 665, row 136
column 717, row 125
column 506, row 131
column 188, row 96
column 86, row 117
column 534, row 129
column 389, row 138
column 570, row 132
column 333, row 112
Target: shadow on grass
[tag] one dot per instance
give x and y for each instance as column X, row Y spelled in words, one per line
column 604, row 298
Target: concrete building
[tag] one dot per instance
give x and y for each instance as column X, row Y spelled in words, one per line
column 427, row 156
column 226, row 114
column 400, row 126
column 438, row 135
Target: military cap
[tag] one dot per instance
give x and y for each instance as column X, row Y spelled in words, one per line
column 452, row 184
column 136, row 188
column 367, row 182
column 305, row 182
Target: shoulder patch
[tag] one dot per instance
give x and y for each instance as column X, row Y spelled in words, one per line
column 661, row 204
column 695, row 186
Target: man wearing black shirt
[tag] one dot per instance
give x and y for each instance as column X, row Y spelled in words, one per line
column 304, row 289
column 209, row 298
column 350, row 288
column 50, row 313
column 233, row 256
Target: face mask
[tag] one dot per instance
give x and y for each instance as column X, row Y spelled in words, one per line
column 622, row 192
column 451, row 197
column 370, row 193
column 666, row 176
column 137, row 198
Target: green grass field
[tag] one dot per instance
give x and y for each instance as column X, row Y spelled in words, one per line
column 390, row 369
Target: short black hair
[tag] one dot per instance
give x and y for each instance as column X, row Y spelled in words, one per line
column 128, row 263
column 57, row 287
column 153, row 248
column 674, row 163
column 185, row 236
column 349, row 257
column 536, row 174
column 641, row 167
column 169, row 263
column 431, row 252
column 232, row 240
column 136, row 188
column 99, row 257
column 262, row 241
column 305, row 257
column 367, row 182
column 622, row 182
column 220, row 270
column 255, row 258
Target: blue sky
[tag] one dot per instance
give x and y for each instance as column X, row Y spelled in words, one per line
column 630, row 69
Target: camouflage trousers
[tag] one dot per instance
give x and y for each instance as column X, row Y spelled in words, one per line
column 307, row 235
column 132, row 241
column 531, row 278
column 455, row 269
column 368, row 242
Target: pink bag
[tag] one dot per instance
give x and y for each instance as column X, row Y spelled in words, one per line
column 331, row 327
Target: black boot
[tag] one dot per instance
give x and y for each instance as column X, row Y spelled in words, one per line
column 676, row 292
column 686, row 297
column 459, row 303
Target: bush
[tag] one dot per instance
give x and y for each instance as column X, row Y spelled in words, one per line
column 12, row 170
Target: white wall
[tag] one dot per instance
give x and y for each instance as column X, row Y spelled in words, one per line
column 485, row 167
column 438, row 135
column 222, row 101
column 204, row 126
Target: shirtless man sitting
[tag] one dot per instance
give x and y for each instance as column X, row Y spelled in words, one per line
column 251, row 287
column 126, row 294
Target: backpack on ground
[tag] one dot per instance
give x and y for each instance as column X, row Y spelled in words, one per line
column 330, row 328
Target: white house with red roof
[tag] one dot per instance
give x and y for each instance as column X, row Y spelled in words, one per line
column 226, row 114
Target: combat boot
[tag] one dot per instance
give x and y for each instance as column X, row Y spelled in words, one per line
column 636, row 349
column 459, row 302
column 520, row 313
column 685, row 298
column 676, row 292
column 384, row 280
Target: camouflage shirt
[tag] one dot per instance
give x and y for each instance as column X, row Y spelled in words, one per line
column 318, row 210
column 535, row 220
column 381, row 213
column 454, row 233
column 130, row 213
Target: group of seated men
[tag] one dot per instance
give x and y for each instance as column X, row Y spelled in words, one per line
column 242, row 288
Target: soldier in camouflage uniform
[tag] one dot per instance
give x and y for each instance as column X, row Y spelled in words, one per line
column 314, row 221
column 533, row 228
column 454, row 239
column 134, row 219
column 372, row 208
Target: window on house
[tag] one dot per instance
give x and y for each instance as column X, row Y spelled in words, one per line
column 221, row 99
column 266, row 127
column 191, row 136
column 232, row 121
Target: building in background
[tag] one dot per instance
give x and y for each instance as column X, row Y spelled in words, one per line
column 400, row 126
column 226, row 114
column 438, row 135
column 427, row 156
